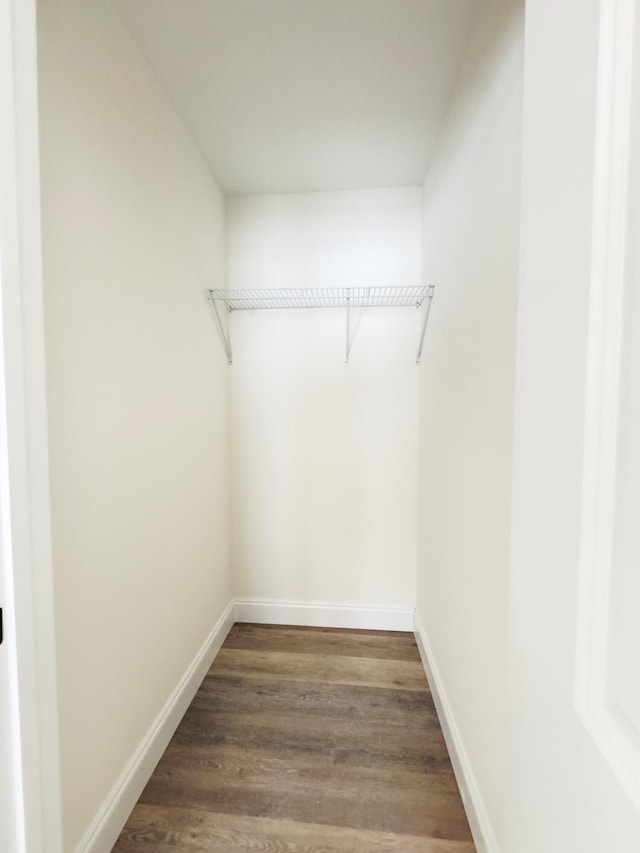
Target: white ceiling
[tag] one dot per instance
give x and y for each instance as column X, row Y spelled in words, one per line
column 295, row 95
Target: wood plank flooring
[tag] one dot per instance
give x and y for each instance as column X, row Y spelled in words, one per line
column 305, row 740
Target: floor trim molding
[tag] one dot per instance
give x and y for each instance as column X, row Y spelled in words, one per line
column 107, row 825
column 103, row 832
column 323, row 615
column 479, row 822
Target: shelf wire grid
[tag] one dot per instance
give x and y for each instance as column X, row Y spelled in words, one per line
column 328, row 297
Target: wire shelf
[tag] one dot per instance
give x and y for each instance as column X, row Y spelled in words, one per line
column 326, row 297
column 319, row 297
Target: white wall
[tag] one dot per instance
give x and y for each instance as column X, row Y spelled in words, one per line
column 133, row 234
column 471, row 240
column 324, row 484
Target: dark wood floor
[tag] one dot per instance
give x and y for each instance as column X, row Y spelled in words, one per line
column 305, row 740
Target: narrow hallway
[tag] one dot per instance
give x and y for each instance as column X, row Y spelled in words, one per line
column 305, row 739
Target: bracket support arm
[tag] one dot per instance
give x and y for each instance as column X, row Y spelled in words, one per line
column 224, row 334
column 429, row 297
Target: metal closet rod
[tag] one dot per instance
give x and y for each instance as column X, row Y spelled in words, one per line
column 314, row 297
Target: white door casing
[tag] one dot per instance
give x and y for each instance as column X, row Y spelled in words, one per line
column 10, row 819
column 30, row 819
column 574, row 771
column 608, row 641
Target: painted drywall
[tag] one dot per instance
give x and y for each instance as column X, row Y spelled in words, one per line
column 471, row 243
column 133, row 234
column 324, row 482
column 301, row 95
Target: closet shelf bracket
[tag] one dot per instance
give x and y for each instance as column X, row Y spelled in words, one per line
column 346, row 359
column 428, row 297
column 227, row 301
column 225, row 335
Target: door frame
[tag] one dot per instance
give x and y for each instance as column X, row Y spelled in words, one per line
column 24, row 489
column 578, row 91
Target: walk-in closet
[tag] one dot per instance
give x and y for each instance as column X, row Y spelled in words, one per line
column 311, row 316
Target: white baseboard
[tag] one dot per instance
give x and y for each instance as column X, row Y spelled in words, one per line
column 103, row 832
column 323, row 615
column 481, row 828
column 105, row 829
